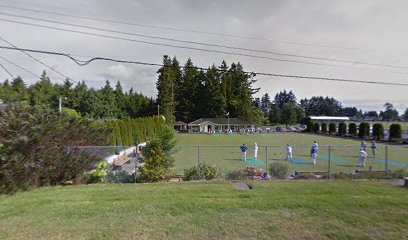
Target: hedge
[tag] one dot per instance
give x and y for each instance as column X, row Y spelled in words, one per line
column 332, row 128
column 126, row 130
column 316, row 127
column 378, row 131
column 324, row 127
column 395, row 131
column 352, row 129
column 363, row 129
column 342, row 128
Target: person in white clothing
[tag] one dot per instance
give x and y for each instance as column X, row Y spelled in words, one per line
column 362, row 155
column 288, row 152
column 315, row 145
column 255, row 151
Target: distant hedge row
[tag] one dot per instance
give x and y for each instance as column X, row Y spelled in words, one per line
column 127, row 130
column 362, row 130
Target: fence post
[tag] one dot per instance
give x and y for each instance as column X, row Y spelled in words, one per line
column 329, row 164
column 198, row 159
column 386, row 158
column 266, row 156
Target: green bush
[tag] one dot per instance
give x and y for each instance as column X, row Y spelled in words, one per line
column 352, row 129
column 332, row 128
column 279, row 170
column 316, row 127
column 395, row 131
column 324, row 127
column 120, row 177
column 159, row 157
column 378, row 131
column 309, row 127
column 363, row 130
column 342, row 128
column 202, row 171
column 238, row 174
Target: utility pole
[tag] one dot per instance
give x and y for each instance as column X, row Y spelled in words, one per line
column 158, row 110
column 60, row 104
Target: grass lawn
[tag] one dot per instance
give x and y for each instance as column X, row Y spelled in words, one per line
column 222, row 150
column 271, row 210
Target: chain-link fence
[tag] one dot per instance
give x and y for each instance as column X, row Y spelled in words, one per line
column 330, row 159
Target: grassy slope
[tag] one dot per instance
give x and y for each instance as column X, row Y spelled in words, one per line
column 229, row 157
column 275, row 209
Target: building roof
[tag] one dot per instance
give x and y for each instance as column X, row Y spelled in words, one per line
column 220, row 121
column 180, row 123
column 329, row 118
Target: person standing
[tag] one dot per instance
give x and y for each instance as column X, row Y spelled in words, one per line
column 288, row 152
column 373, row 148
column 255, row 151
column 363, row 145
column 313, row 153
column 243, row 151
column 362, row 155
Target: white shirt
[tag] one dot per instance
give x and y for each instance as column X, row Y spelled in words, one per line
column 288, row 149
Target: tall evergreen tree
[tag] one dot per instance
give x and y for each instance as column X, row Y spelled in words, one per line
column 166, row 87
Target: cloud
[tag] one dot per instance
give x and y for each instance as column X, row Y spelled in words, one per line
column 120, row 71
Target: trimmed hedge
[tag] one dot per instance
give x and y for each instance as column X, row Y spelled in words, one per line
column 342, row 128
column 395, row 131
column 332, row 128
column 309, row 127
column 316, row 127
column 363, row 129
column 324, row 127
column 126, row 130
column 352, row 129
column 378, row 131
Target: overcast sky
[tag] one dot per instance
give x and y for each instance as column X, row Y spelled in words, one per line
column 370, row 31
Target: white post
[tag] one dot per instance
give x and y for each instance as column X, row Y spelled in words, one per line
column 60, row 104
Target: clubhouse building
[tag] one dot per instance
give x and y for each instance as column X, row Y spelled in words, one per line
column 215, row 125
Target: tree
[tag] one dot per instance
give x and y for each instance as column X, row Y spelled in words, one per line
column 405, row 116
column 166, row 87
column 321, row 106
column 214, row 106
column 390, row 113
column 288, row 116
column 275, row 114
column 284, row 97
column 265, row 104
column 159, row 157
column 42, row 93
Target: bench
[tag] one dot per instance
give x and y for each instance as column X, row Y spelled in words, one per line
column 121, row 160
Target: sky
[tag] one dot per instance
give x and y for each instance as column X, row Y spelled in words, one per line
column 370, row 32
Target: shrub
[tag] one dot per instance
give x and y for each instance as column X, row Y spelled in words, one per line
column 32, row 151
column 250, row 171
column 324, row 127
column 309, row 127
column 99, row 174
column 352, row 129
column 159, row 157
column 202, row 171
column 363, row 130
column 120, row 177
column 236, row 175
column 378, row 131
column 279, row 170
column 316, row 127
column 395, row 131
column 342, row 128
column 332, row 128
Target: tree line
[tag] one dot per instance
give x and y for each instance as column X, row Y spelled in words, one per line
column 106, row 102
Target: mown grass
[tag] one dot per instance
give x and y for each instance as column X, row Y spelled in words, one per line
column 343, row 159
column 271, row 210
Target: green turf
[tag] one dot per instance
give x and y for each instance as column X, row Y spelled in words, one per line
column 271, row 210
column 223, row 152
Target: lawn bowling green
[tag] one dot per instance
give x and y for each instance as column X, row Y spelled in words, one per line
column 222, row 151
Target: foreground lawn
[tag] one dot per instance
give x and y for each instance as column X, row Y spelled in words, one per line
column 271, row 210
column 222, row 150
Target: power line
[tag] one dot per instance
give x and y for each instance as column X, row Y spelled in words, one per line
column 164, row 44
column 7, row 71
column 191, row 30
column 206, row 44
column 85, row 62
column 36, row 59
column 18, row 66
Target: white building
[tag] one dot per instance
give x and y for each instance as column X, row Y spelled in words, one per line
column 205, row 125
